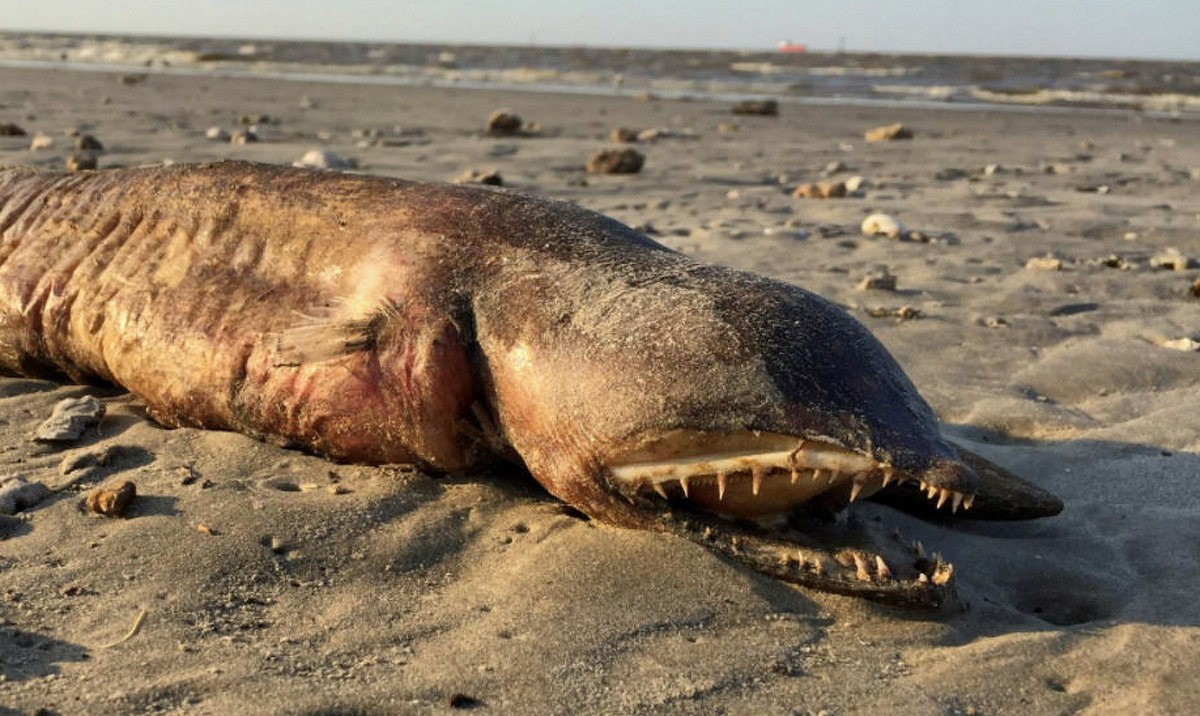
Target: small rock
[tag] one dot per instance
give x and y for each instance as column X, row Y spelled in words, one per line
column 855, row 184
column 323, row 159
column 41, row 141
column 883, row 225
column 622, row 135
column 616, row 161
column 217, row 134
column 1195, row 290
column 880, row 280
column 17, row 494
column 80, row 162
column 1044, row 263
column 88, row 143
column 243, row 136
column 821, row 190
column 70, row 418
column 888, row 133
column 1181, row 344
column 995, row 322
column 504, row 122
column 834, row 167
column 112, row 502
column 950, row 174
column 759, row 107
column 1172, row 259
column 8, row 129
column 490, row 177
column 993, row 169
column 307, row 102
column 277, row 545
column 656, row 133
column 904, row 313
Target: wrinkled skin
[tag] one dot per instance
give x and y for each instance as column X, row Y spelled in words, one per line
column 379, row 321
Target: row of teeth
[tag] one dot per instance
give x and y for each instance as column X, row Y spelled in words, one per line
column 835, row 465
column 873, row 567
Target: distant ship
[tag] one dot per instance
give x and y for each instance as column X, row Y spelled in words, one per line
column 789, row 46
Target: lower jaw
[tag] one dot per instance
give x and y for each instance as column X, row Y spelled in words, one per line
column 832, row 558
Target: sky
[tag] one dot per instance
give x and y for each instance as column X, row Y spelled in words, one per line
column 1168, row 29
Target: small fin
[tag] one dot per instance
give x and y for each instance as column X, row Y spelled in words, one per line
column 324, row 335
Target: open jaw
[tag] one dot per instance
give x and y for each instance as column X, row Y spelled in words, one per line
column 740, row 493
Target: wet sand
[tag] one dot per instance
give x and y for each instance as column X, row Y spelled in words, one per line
column 256, row 588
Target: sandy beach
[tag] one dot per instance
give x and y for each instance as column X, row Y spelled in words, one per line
column 253, row 579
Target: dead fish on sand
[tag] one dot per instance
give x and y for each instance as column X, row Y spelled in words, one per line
column 382, row 321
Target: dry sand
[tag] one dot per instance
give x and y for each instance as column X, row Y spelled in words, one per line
column 408, row 593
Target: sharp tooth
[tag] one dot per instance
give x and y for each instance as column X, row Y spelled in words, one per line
column 958, row 500
column 722, row 483
column 920, row 549
column 924, row 486
column 756, row 476
column 816, row 474
column 882, row 569
column 818, row 565
column 659, row 489
column 860, row 569
column 888, row 475
column 932, row 492
column 943, row 495
column 833, row 476
column 800, row 557
column 923, row 578
column 968, row 501
column 795, row 476
column 683, row 483
column 860, row 481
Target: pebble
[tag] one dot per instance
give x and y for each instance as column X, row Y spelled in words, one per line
column 759, row 107
column 821, row 190
column 1044, row 263
column 490, row 177
column 243, row 136
column 8, row 129
column 888, row 133
column 80, row 162
column 323, row 159
column 1195, row 290
column 217, row 134
column 883, row 225
column 904, row 313
column 41, row 141
column 1181, row 344
column 855, row 184
column 993, row 169
column 112, row 502
column 878, row 280
column 1172, row 259
column 616, row 161
column 622, row 135
column 504, row 122
column 17, row 494
column 69, row 419
column 834, row 167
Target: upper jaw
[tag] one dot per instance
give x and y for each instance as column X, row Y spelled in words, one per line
column 763, row 475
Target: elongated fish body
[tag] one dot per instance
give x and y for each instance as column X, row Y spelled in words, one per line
column 378, row 320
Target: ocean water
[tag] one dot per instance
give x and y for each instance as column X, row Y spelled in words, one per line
column 1158, row 87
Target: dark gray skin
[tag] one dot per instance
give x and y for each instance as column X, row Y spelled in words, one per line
column 381, row 321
